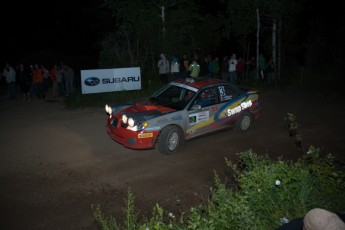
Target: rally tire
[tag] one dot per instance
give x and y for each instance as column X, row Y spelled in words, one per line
column 169, row 140
column 244, row 122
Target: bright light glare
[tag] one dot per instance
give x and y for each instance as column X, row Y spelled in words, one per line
column 131, row 122
column 124, row 119
column 108, row 109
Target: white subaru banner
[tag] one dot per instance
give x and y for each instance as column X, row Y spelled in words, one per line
column 110, row 80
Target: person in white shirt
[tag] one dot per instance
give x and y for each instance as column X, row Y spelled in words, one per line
column 175, row 68
column 232, row 69
column 10, row 76
column 163, row 69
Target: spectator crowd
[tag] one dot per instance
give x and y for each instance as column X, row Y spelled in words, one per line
column 37, row 81
column 230, row 68
column 41, row 82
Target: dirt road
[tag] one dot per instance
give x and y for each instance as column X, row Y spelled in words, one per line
column 56, row 163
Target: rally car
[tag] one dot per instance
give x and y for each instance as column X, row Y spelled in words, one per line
column 182, row 110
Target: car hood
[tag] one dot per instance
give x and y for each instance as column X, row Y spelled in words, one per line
column 145, row 110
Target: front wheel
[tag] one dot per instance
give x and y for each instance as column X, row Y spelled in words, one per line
column 169, row 140
column 245, row 121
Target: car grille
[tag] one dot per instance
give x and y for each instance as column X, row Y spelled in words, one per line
column 131, row 141
column 114, row 123
column 123, row 125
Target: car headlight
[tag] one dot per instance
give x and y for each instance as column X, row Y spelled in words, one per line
column 108, row 109
column 124, row 119
column 136, row 127
column 130, row 122
column 142, row 126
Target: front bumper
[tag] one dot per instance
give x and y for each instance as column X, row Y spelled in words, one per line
column 129, row 138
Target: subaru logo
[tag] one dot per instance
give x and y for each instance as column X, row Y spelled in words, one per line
column 92, row 81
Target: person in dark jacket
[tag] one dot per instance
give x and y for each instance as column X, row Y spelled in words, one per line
column 317, row 219
column 24, row 81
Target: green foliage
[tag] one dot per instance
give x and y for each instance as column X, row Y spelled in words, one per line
column 273, row 189
column 131, row 215
column 225, row 210
column 329, row 174
column 160, row 220
column 109, row 223
column 267, row 192
column 293, row 128
column 104, row 222
column 291, row 121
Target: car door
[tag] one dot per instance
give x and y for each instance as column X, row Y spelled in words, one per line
column 219, row 113
column 201, row 112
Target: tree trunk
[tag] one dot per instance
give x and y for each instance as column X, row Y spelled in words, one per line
column 257, row 43
column 279, row 52
column 274, row 43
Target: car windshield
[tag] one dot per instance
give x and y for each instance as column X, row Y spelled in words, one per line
column 173, row 96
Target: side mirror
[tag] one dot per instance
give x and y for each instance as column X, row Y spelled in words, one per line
column 196, row 107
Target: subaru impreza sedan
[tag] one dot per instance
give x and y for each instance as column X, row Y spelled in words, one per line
column 182, row 110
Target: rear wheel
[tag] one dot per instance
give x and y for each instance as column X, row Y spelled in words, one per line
column 245, row 121
column 169, row 140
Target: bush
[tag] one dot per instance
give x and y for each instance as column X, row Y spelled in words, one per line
column 268, row 193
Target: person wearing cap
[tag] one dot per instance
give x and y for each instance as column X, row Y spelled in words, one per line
column 175, row 68
column 163, row 69
column 232, row 69
column 317, row 219
column 194, row 67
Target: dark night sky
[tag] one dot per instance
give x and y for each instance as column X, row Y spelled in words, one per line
column 32, row 26
column 63, row 26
